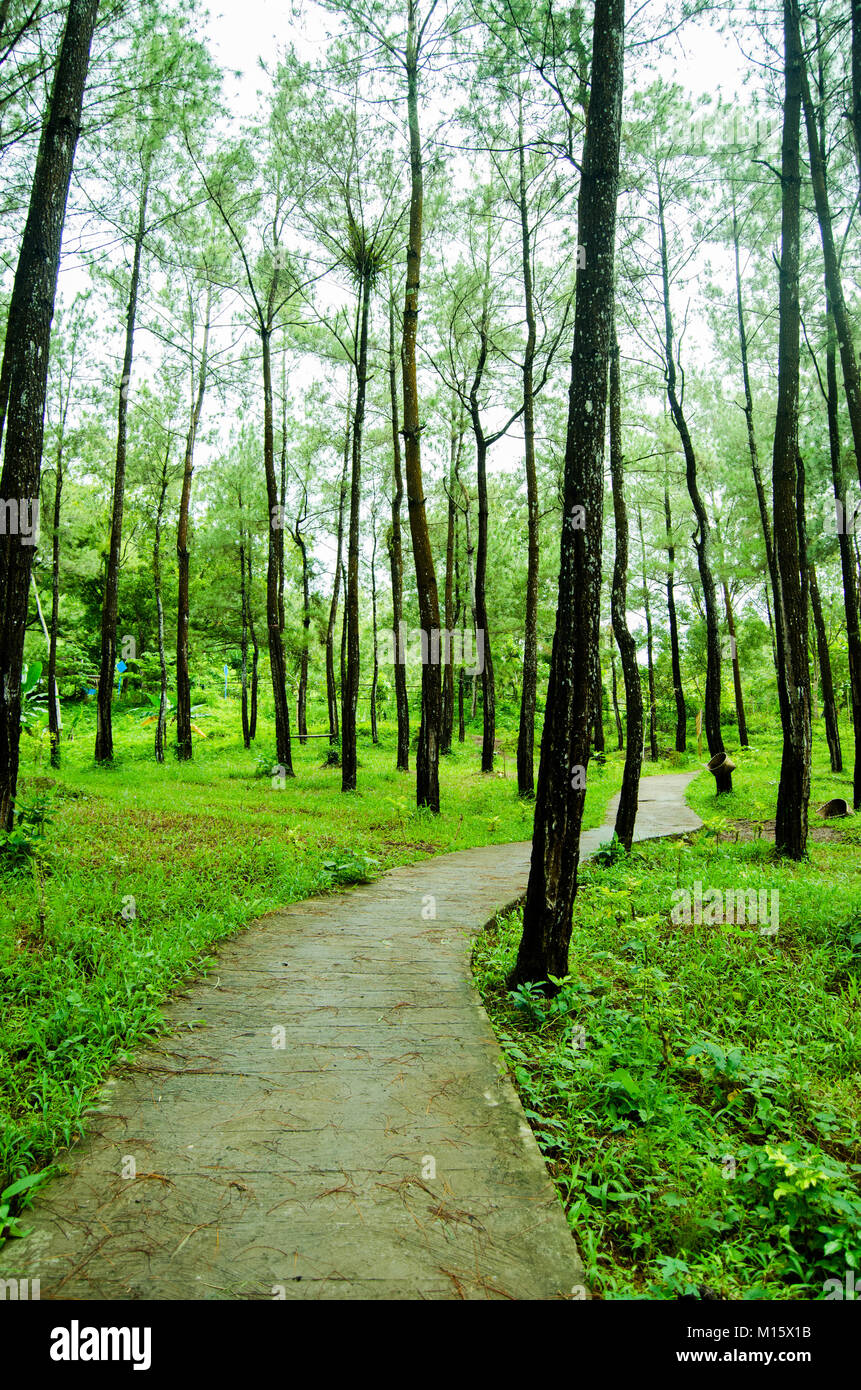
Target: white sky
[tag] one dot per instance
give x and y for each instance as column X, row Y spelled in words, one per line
column 244, row 31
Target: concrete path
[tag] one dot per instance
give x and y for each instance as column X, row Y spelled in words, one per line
column 327, row 1116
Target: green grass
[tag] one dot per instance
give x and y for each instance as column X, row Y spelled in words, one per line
column 696, row 1089
column 144, row 869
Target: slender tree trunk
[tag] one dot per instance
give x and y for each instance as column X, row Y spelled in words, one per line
column 626, row 815
column 736, row 668
column 350, row 686
column 826, row 681
column 243, row 595
column 302, row 696
column 833, row 281
column 344, row 631
column 281, row 620
column 331, row 689
column 771, row 627
column 184, row 749
column 598, row 705
column 488, row 684
column 107, row 661
column 54, row 715
column 161, row 722
column 528, row 696
column 678, row 692
column 748, row 413
column 565, row 746
column 446, row 655
column 847, row 559
column 855, row 6
column 460, row 613
column 277, row 663
column 470, row 570
column 793, row 669
column 620, row 736
column 427, row 754
column 375, row 677
column 255, row 646
column 702, row 536
column 396, row 560
column 23, row 378
column 55, row 701
column 650, row 658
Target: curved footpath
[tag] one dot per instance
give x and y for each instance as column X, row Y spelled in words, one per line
column 328, row 1116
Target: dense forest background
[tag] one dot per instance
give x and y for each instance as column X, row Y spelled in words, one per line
column 224, row 397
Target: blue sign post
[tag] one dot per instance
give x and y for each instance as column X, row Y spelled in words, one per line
column 121, row 667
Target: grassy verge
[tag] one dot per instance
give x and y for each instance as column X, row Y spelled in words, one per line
column 696, row 1086
column 141, row 870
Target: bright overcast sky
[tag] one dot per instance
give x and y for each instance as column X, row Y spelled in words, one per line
column 243, row 31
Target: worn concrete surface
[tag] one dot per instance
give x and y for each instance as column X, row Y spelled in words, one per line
column 326, row 1116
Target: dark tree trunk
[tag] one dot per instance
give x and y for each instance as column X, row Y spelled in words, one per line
column 281, row 620
column 255, row 650
column 736, row 668
column 107, row 661
column 847, row 559
column 826, row 681
column 855, row 6
column 350, row 685
column 396, row 561
column 528, row 696
column 161, row 722
column 678, row 692
column 771, row 627
column 620, row 736
column 748, row 415
column 375, row 677
column 626, row 815
column 598, row 706
column 833, row 281
column 470, row 572
column 427, row 754
column 793, row 669
column 446, row 654
column 650, row 658
column 243, row 596
column 53, row 693
column 331, row 687
column 344, row 631
column 702, row 535
column 302, row 695
column 184, row 749
column 488, row 684
column 23, row 378
column 565, row 745
column 277, row 664
column 460, row 616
